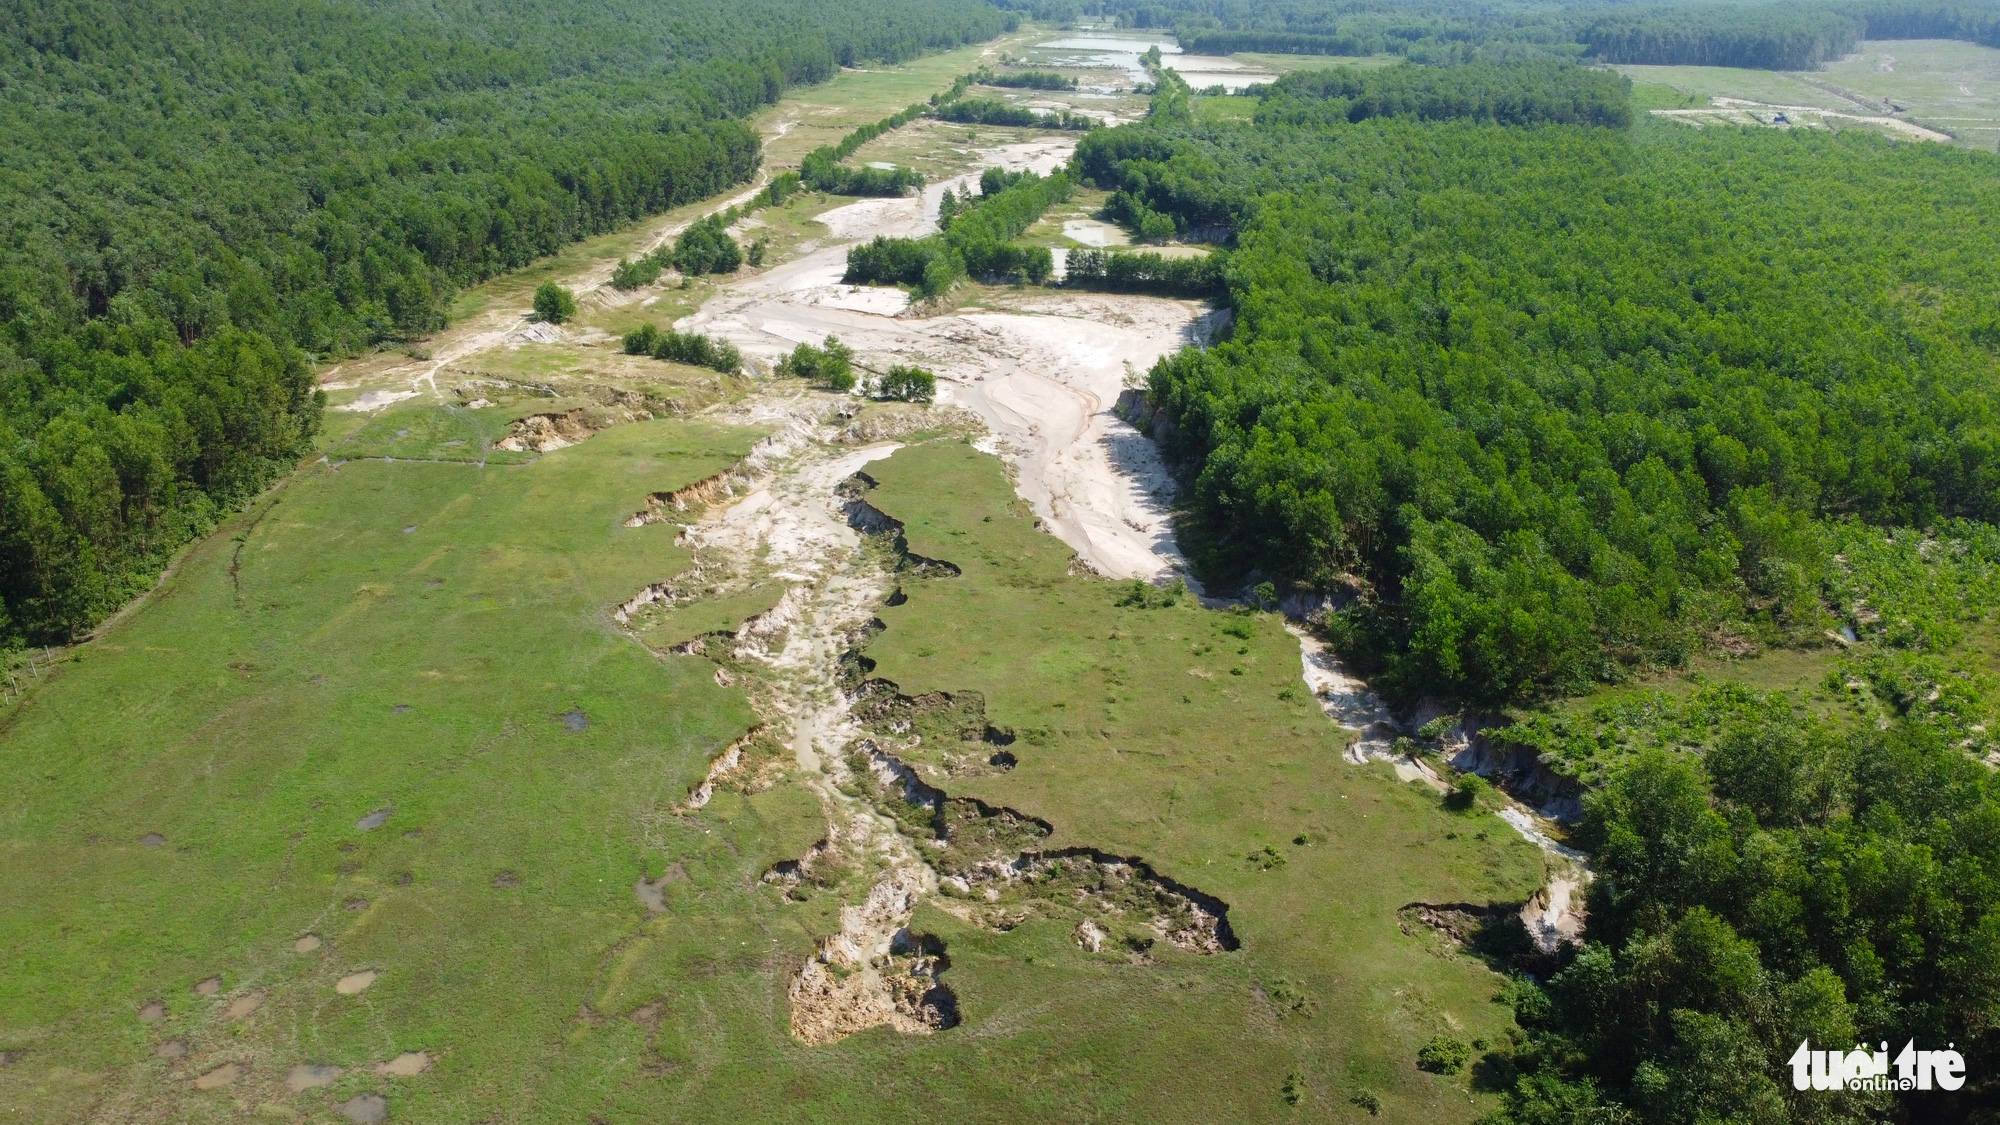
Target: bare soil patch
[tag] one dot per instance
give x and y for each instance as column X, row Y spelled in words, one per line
column 354, row 983
column 221, row 1076
column 409, row 1064
column 244, row 1006
column 365, row 1109
column 311, row 1076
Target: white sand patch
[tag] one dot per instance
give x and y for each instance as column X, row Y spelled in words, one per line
column 880, row 300
column 1203, row 71
column 375, row 400
column 1738, row 111
column 1095, row 232
column 1044, row 379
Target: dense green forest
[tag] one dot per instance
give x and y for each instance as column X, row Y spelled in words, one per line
column 1518, row 93
column 1557, row 400
column 1567, row 400
column 197, row 196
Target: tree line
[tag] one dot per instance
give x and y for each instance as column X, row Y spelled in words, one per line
column 978, row 241
column 1512, row 93
column 1769, row 34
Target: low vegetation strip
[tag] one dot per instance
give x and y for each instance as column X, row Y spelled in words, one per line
column 993, row 111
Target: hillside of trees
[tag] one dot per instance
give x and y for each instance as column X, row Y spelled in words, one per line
column 1564, row 401
column 196, row 196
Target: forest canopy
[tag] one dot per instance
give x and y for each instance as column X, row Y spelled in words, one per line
column 1564, row 399
column 197, row 196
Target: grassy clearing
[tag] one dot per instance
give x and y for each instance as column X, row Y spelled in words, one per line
column 1940, row 84
column 402, row 636
column 1208, row 110
column 1183, row 736
column 433, row 433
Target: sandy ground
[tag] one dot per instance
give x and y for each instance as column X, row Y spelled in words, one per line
column 1737, row 111
column 1044, row 378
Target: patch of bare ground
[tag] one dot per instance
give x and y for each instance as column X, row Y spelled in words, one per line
column 311, row 1076
column 837, row 993
column 243, row 1007
column 409, row 1064
column 220, row 1076
column 365, row 1109
column 894, row 421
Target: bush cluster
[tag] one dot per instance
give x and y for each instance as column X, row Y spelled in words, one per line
column 691, row 348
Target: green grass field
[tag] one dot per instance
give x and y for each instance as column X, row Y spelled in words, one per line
column 384, row 636
column 1182, row 735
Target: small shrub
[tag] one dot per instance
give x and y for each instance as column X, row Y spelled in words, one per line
column 1442, row 1054
column 1294, row 1088
column 909, row 384
column 1368, row 1100
column 1266, row 858
column 1466, row 792
column 693, row 349
column 636, row 274
column 641, row 340
column 758, row 249
column 830, row 366
column 553, row 303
